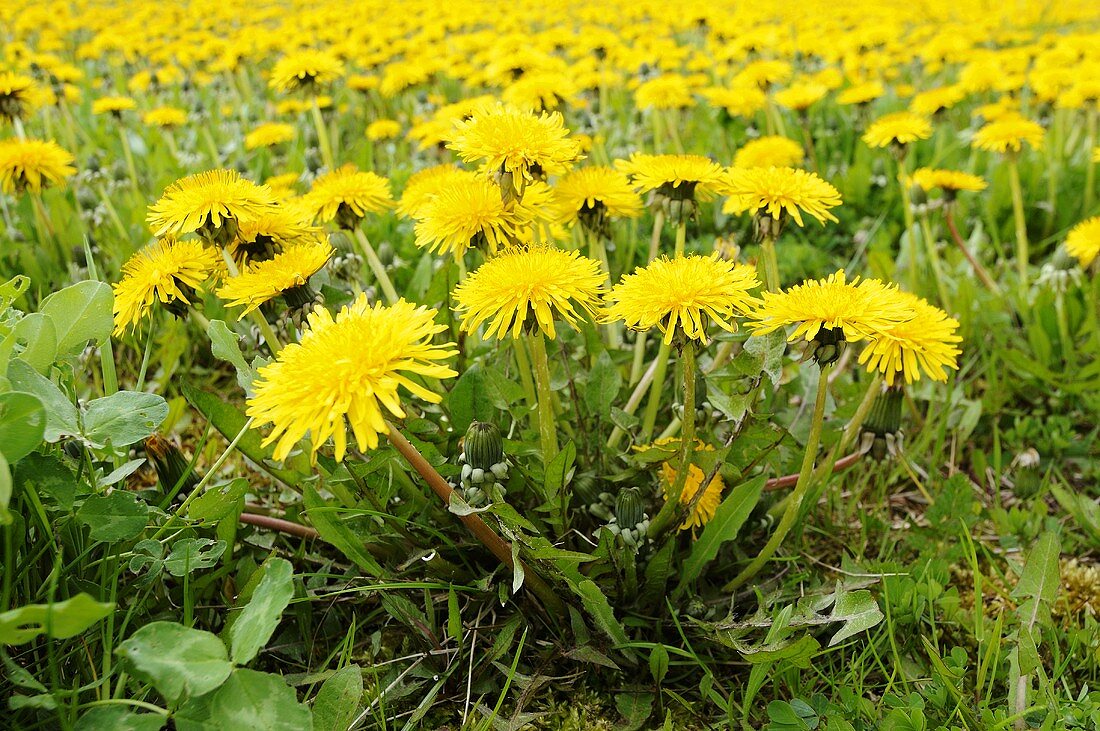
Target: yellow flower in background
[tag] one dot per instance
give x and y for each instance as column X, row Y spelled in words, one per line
column 464, row 215
column 861, row 93
column 214, row 203
column 347, row 194
column 541, row 91
column 1083, row 241
column 899, row 128
column 708, row 503
column 33, row 165
column 268, row 134
column 741, row 102
column 113, row 105
column 799, row 97
column 383, row 129
column 168, row 271
column 1009, row 134
column 165, row 117
column 675, row 176
column 925, row 343
column 594, row 193
column 688, row 292
column 769, row 151
column 933, row 101
column 859, row 309
column 283, row 185
column 524, row 287
column 267, row 234
column 346, row 371
column 18, row 95
column 782, row 191
column 1096, row 154
column 265, row 280
column 949, row 181
column 305, row 71
column 667, row 91
column 516, row 142
column 425, row 184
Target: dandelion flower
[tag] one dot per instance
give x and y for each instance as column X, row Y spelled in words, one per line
column 18, row 94
column 1008, row 134
column 936, row 100
column 383, row 129
column 770, row 151
column 347, row 194
column 268, row 134
column 1083, row 241
column 861, row 93
column 712, row 495
column 592, row 194
column 949, row 181
column 688, row 291
column 781, row 191
column 32, row 165
column 214, row 203
column 677, row 177
column 514, row 142
column 464, row 215
column 855, row 310
column 925, row 342
column 424, row 185
column 167, row 271
column 286, row 274
column 165, row 117
column 346, row 371
column 115, row 105
column 282, row 185
column 305, row 71
column 667, row 91
column 899, row 128
column 744, row 102
column 800, row 97
column 267, row 234
column 526, row 285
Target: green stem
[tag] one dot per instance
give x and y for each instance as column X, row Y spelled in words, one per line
column 910, row 232
column 934, row 260
column 638, row 363
column 670, row 510
column 770, row 261
column 106, row 350
column 376, row 267
column 681, row 237
column 649, row 419
column 322, row 135
column 1022, row 246
column 805, row 480
column 257, row 317
column 128, row 153
column 148, row 350
column 548, row 434
column 632, row 403
column 523, row 365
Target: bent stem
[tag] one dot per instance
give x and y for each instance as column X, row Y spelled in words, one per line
column 805, row 480
column 949, row 219
column 548, row 435
column 481, row 530
column 668, row 513
column 376, row 267
column 1022, row 247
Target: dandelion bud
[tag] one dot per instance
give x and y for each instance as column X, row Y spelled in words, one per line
column 629, row 509
column 347, row 218
column 170, row 464
column 828, row 345
column 484, row 446
column 883, row 423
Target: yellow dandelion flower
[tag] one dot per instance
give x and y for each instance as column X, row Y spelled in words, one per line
column 769, row 151
column 926, row 342
column 744, row 101
column 347, row 194
column 949, row 181
column 708, row 504
column 689, row 177
column 1083, row 241
column 167, row 271
column 32, row 165
column 524, row 286
column 930, row 102
column 667, row 91
column 425, row 184
column 383, row 129
column 899, row 128
column 509, row 140
column 593, row 193
column 267, row 234
column 362, row 82
column 1096, row 154
column 859, row 309
column 541, row 91
column 268, row 134
column 266, row 280
column 113, row 105
column 781, row 191
column 1008, row 134
column 18, row 95
column 800, row 97
column 282, row 185
column 464, row 215
column 861, row 93
column 165, row 117
column 346, row 371
column 764, row 73
column 688, row 291
column 305, row 71
column 214, row 203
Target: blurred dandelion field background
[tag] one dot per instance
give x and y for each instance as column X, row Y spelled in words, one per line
column 552, row 365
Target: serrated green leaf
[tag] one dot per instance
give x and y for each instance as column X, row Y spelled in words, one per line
column 730, row 515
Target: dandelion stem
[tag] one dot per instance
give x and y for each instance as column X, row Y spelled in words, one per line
column 681, row 237
column 910, row 227
column 273, row 342
column 1022, row 247
column 376, row 267
column 548, row 435
column 805, row 480
column 949, row 219
column 322, row 135
column 934, row 260
column 148, row 351
column 669, row 511
column 523, row 365
column 640, row 341
column 128, row 153
column 771, row 263
column 632, row 403
column 1090, row 165
column 649, row 419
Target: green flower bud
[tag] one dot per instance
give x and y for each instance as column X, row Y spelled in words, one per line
column 484, row 445
column 170, row 464
column 629, row 509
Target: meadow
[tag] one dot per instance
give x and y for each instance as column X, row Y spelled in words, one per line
column 549, row 365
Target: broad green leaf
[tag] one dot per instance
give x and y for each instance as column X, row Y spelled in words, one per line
column 338, row 700
column 123, row 418
column 658, row 663
column 192, row 554
column 38, row 336
column 248, row 700
column 219, row 501
column 62, row 418
column 252, row 628
column 120, row 474
column 635, row 709
column 796, row 651
column 333, row 531
column 225, row 345
column 118, row 516
column 80, row 313
column 1038, row 585
column 604, row 383
column 558, row 471
column 730, row 515
column 119, row 718
column 59, row 620
column 22, row 424
column 178, row 661
column 49, row 478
